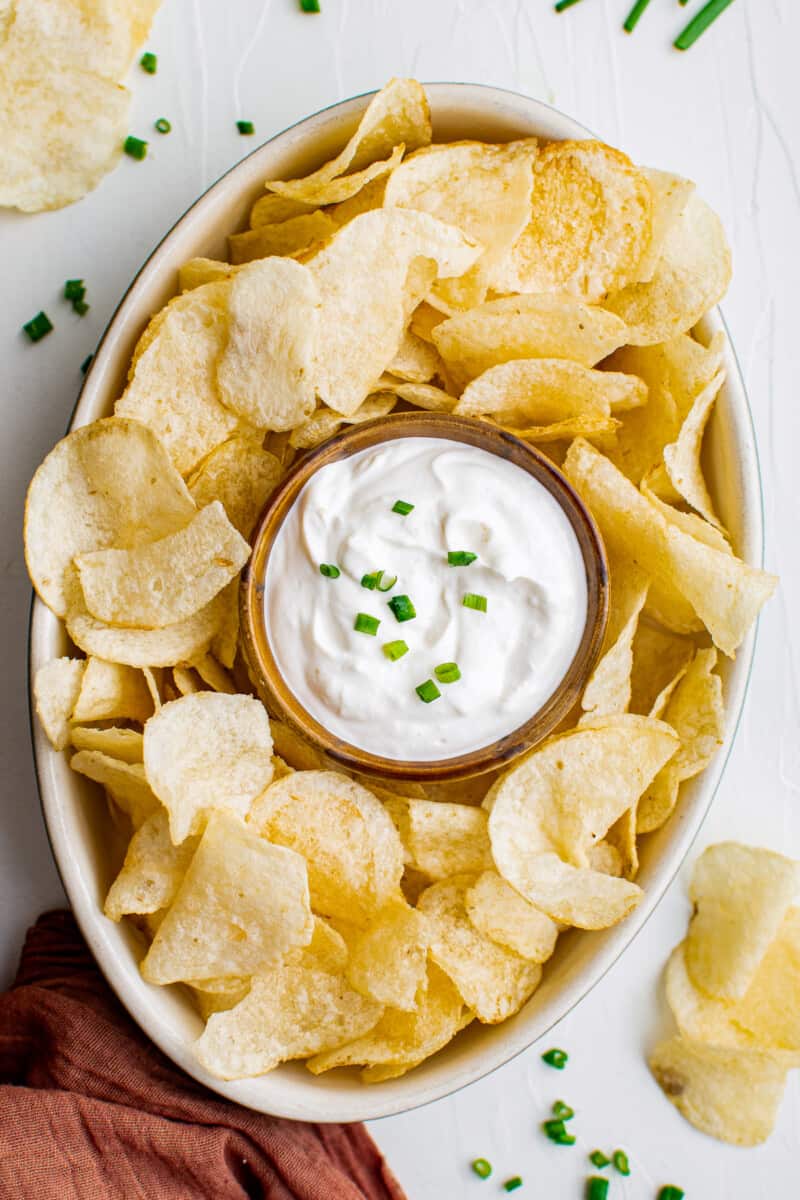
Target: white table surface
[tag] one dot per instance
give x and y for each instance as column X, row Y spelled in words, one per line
column 724, row 114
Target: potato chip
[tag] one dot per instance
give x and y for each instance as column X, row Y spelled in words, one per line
column 101, row 37
column 282, row 238
column 153, row 870
column 522, row 327
column 424, row 320
column 107, row 484
column 692, row 274
column 165, row 581
column 658, row 657
column 442, row 839
column 608, row 689
column 144, row 647
column 173, row 382
column 362, row 277
column 345, row 187
column 682, row 458
column 215, row 676
column 111, row 692
column 211, row 998
column 695, row 711
column 56, row 687
column 589, row 224
column 621, row 838
column 697, row 527
column 324, row 423
column 493, row 981
column 354, row 855
column 187, row 681
column 546, row 812
column 198, row 271
column 416, row 361
column 388, row 959
column 741, row 895
column 241, row 475
column 499, row 912
column 298, row 753
column 125, row 782
column 273, row 210
column 670, row 195
column 421, row 395
column 154, row 678
column 225, row 640
column 207, row 751
column 723, row 1092
column 125, row 744
column 242, row 904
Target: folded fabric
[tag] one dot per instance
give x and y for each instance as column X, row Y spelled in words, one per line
column 91, row 1110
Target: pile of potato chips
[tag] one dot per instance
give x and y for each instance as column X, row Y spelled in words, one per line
column 734, row 989
column 548, row 289
column 63, row 109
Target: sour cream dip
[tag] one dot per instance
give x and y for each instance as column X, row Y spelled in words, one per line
column 528, row 569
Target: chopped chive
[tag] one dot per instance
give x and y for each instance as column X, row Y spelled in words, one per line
column 402, row 608
column 386, row 585
column 474, row 600
column 329, row 570
column 562, row 4
column 482, row 1167
column 556, row 1130
column 135, row 147
column 556, row 1058
column 309, row 6
column 402, row 507
column 447, row 672
column 670, row 1192
column 80, row 307
column 38, row 326
column 683, row 2
column 245, row 127
column 87, row 362
column 460, row 558
column 163, row 125
column 74, row 289
column 699, row 24
column 513, row 1183
column 620, row 1161
column 364, row 623
column 428, row 691
column 596, row 1188
column 393, row 651
column 149, row 62
column 598, row 1159
column 632, row 19
column 563, row 1111
column 371, row 581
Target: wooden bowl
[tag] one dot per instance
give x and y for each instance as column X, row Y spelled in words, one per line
column 278, row 696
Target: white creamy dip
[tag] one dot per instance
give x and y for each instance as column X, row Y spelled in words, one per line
column 511, row 657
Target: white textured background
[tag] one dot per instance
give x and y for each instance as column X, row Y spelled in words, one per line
column 725, row 114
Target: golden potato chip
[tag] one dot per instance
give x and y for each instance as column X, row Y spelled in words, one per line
column 547, row 811
column 401, row 1040
column 416, row 361
column 298, row 753
column 273, row 210
column 682, row 457
column 198, row 271
column 225, row 640
column 154, row 679
column 388, row 959
column 215, row 676
column 111, row 692
column 102, row 38
column 166, row 581
column 153, row 870
column 207, row 751
column 212, row 998
column 441, row 839
column 728, row 1094
column 590, row 221
column 670, row 195
column 368, row 197
column 521, row 327
column 692, row 274
column 608, row 689
column 324, row 423
column 125, row 744
column 362, row 277
column 354, row 855
column 493, row 981
column 499, row 912
column 697, row 527
column 424, row 320
column 658, row 657
column 56, row 687
column 283, row 237
column 242, row 904
column 241, row 475
column 741, row 896
column 126, row 783
column 144, row 647
column 187, row 681
column 696, row 712
column 344, row 188
column 173, row 384
column 107, row 484
column 621, row 837
column 266, row 372
column 421, row 395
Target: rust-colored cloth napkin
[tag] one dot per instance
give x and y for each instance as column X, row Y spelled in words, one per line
column 91, row 1110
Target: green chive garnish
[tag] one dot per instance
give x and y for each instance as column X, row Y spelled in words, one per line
column 376, row 580
column 562, row 4
column 620, row 1161
column 428, row 691
column 670, row 1192
column 38, row 327
column 596, row 1188
column 482, row 1167
column 557, row 1132
column 87, row 362
column 148, row 62
column 245, row 127
column 135, row 147
column 80, row 307
column 402, row 608
column 474, row 600
column 329, row 570
column 632, row 19
column 556, row 1058
column 393, row 651
column 562, row 1111
column 163, row 125
column 402, row 507
column 460, row 558
column 598, row 1159
column 447, row 672
column 699, row 24
column 364, row 623
column 74, row 289
column 513, row 1183
column 310, row 6
column 386, row 585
